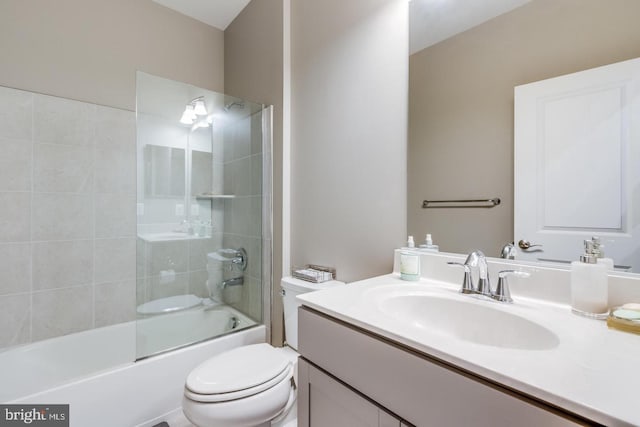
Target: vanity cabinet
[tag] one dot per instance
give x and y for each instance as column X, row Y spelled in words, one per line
column 348, row 373
column 328, row 402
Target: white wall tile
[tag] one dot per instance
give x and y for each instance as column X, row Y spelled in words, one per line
column 62, row 311
column 62, row 168
column 115, row 302
column 67, row 176
column 198, row 283
column 15, row 164
column 255, row 173
column 242, row 138
column 168, row 285
column 115, row 215
column 166, row 256
column 198, row 250
column 115, row 127
column 62, row 216
column 256, row 133
column 15, row 268
column 15, row 318
column 115, row 259
column 62, row 264
column 15, row 217
column 63, row 121
column 115, row 169
column 243, row 215
column 16, row 110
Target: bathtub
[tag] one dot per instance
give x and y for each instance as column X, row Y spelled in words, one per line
column 169, row 331
column 94, row 372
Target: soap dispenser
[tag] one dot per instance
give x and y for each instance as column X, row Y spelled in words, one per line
column 409, row 262
column 589, row 285
column 599, row 248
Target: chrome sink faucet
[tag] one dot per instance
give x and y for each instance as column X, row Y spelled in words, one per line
column 477, row 260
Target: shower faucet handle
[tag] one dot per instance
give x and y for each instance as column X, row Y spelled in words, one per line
column 241, row 259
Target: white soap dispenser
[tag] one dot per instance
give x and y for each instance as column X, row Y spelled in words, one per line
column 589, row 284
column 409, row 262
column 599, row 248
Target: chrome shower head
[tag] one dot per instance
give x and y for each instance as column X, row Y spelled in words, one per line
column 230, row 105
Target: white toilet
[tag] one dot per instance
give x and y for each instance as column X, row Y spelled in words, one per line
column 253, row 385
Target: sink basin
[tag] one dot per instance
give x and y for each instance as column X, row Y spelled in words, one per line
column 471, row 321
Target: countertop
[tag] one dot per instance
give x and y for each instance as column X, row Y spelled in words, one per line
column 593, row 371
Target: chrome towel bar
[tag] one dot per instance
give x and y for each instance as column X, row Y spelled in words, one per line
column 472, row 203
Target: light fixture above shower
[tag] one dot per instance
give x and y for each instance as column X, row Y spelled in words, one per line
column 202, row 122
column 193, row 111
column 199, row 107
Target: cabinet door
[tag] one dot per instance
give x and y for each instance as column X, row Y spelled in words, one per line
column 325, row 402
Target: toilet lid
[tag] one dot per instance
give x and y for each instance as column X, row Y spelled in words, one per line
column 262, row 389
column 238, row 369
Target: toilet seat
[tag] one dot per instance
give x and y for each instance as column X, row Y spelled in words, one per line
column 237, row 374
column 240, row 394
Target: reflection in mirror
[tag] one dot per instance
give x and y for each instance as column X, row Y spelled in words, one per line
column 461, row 107
column 576, row 154
column 164, row 171
column 201, row 173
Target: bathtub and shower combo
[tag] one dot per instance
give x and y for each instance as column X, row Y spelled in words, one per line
column 199, row 282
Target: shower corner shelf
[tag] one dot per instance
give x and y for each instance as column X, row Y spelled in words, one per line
column 215, row 196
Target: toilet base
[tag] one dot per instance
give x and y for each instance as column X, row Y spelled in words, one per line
column 256, row 410
column 290, row 420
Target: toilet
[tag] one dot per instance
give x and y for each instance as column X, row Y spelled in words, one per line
column 253, row 385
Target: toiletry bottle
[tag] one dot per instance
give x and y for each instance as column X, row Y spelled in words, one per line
column 410, row 242
column 589, row 285
column 599, row 248
column 428, row 244
column 410, row 261
column 409, row 266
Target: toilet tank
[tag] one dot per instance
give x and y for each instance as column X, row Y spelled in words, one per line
column 291, row 287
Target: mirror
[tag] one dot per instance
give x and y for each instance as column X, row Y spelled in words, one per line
column 461, row 101
column 164, row 171
column 201, row 172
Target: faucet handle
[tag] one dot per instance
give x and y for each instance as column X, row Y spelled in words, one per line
column 467, row 285
column 502, row 293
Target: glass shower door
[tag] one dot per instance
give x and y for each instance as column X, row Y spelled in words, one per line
column 202, row 157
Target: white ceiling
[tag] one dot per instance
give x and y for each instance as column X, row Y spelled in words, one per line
column 217, row 13
column 431, row 21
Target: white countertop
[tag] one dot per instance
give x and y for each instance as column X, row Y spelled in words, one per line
column 594, row 371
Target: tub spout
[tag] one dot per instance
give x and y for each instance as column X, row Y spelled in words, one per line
column 236, row 281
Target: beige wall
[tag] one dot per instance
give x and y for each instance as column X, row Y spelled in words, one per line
column 348, row 137
column 461, row 107
column 253, row 66
column 89, row 50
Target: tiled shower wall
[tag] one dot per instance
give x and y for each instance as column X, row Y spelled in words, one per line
column 179, row 267
column 243, row 161
column 67, row 216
